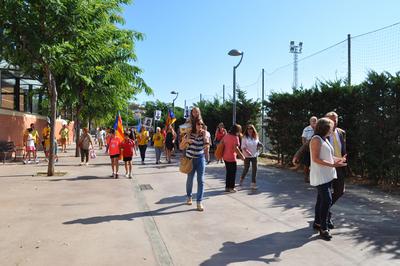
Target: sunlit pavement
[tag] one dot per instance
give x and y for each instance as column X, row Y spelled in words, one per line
column 85, row 217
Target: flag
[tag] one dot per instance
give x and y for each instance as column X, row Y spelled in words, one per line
column 139, row 126
column 170, row 118
column 119, row 129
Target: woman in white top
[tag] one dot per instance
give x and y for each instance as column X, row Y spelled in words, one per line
column 323, row 171
column 249, row 147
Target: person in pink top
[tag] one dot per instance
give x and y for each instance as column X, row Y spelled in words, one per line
column 231, row 151
column 114, row 150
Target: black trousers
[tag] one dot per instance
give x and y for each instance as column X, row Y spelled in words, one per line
column 142, row 149
column 84, row 155
column 338, row 184
column 230, row 174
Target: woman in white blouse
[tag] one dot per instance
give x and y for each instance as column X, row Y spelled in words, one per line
column 322, row 172
column 250, row 143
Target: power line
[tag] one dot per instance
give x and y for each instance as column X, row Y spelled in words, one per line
column 383, row 28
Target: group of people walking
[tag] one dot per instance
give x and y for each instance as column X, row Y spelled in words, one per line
column 33, row 141
column 323, row 154
column 195, row 142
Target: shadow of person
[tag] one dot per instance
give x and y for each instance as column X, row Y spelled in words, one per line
column 256, row 249
column 128, row 216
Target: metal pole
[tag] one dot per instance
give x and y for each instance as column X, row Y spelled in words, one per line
column 223, row 93
column 0, row 91
column 234, row 97
column 200, row 98
column 295, row 71
column 348, row 60
column 262, row 111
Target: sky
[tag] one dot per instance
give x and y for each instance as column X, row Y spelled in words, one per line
column 187, row 42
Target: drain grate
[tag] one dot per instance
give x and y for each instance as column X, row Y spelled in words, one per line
column 145, row 187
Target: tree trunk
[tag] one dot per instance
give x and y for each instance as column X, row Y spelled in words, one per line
column 77, row 119
column 52, row 88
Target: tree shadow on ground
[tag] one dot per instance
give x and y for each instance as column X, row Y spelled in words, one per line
column 271, row 246
column 357, row 214
column 79, row 178
column 129, row 216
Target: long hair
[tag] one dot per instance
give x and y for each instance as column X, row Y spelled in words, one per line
column 194, row 123
column 191, row 114
column 254, row 135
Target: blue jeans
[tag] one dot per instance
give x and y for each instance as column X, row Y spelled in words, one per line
column 158, row 154
column 323, row 204
column 199, row 167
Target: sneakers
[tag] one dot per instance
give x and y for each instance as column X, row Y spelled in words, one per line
column 25, row 161
column 189, row 201
column 325, row 235
column 86, row 164
column 253, row 186
column 126, row 175
column 230, row 190
column 130, row 176
column 82, row 163
column 200, row 207
column 116, row 175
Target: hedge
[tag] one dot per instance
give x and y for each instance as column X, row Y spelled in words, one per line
column 369, row 112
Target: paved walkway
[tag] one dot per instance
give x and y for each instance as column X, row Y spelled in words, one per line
column 87, row 218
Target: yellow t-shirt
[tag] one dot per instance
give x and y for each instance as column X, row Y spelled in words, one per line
column 46, row 136
column 35, row 135
column 143, row 138
column 158, row 139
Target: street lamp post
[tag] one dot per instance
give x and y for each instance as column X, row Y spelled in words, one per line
column 173, row 101
column 235, row 52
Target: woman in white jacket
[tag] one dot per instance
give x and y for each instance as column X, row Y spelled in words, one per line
column 250, row 143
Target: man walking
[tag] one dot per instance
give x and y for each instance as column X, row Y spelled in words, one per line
column 338, row 142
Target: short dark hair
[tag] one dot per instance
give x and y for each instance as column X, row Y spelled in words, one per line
column 236, row 128
column 323, row 126
column 112, row 131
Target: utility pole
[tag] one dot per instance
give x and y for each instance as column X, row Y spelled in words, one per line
column 223, row 93
column 262, row 111
column 348, row 60
column 295, row 50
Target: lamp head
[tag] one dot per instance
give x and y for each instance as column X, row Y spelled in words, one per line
column 174, row 92
column 235, row 52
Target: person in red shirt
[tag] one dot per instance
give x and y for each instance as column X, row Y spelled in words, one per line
column 127, row 147
column 231, row 151
column 114, row 152
column 220, row 132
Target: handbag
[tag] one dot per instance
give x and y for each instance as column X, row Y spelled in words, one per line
column 219, row 152
column 92, row 154
column 185, row 165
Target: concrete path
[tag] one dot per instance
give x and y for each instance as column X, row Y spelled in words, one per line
column 87, row 218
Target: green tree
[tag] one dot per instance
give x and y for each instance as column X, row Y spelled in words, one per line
column 78, row 43
column 36, row 36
